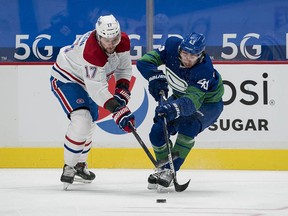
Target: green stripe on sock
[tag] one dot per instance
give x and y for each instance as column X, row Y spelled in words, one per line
column 161, row 152
column 183, row 145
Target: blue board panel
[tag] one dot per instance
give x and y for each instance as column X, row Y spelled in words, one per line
column 34, row 30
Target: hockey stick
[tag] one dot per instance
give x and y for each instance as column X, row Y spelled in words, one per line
column 157, row 164
column 148, row 153
column 178, row 187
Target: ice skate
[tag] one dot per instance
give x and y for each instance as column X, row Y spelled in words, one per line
column 83, row 174
column 152, row 179
column 67, row 176
column 165, row 178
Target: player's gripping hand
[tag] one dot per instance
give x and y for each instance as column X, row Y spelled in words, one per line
column 170, row 110
column 122, row 95
column 122, row 116
column 158, row 82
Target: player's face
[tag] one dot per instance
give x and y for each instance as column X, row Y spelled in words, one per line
column 188, row 60
column 109, row 44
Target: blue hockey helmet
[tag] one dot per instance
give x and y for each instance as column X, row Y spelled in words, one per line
column 193, row 43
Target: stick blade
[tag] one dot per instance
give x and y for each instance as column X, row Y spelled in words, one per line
column 180, row 188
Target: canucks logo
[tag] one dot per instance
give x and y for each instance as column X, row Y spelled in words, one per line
column 175, row 82
column 105, row 121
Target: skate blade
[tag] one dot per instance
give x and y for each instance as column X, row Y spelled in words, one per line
column 162, row 189
column 152, row 186
column 65, row 186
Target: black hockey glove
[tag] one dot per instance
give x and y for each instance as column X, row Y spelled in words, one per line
column 158, row 82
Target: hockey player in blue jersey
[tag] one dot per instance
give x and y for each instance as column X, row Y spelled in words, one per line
column 195, row 102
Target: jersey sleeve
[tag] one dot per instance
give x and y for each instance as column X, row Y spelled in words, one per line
column 124, row 69
column 149, row 63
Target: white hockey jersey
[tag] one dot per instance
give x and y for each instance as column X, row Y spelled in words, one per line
column 85, row 63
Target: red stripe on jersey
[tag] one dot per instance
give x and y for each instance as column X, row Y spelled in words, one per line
column 62, row 97
column 73, row 141
column 94, row 54
column 70, row 75
column 124, row 44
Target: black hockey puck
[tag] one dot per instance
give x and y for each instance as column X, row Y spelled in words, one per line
column 161, row 200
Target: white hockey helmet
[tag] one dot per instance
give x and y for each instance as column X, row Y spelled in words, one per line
column 107, row 26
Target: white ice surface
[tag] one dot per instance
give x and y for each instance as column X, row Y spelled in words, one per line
column 38, row 192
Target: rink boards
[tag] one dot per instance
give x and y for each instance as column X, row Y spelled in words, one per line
column 251, row 133
column 218, row 159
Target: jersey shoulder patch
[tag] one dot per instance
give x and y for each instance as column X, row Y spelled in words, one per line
column 93, row 53
column 124, row 44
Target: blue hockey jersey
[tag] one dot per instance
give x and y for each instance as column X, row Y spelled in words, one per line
column 191, row 86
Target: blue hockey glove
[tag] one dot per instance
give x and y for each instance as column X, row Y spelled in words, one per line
column 170, row 110
column 122, row 116
column 122, row 95
column 158, row 82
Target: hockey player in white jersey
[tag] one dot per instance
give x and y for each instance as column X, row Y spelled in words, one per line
column 79, row 80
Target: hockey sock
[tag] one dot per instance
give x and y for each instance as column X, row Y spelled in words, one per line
column 88, row 145
column 85, row 152
column 161, row 152
column 78, row 131
column 183, row 145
